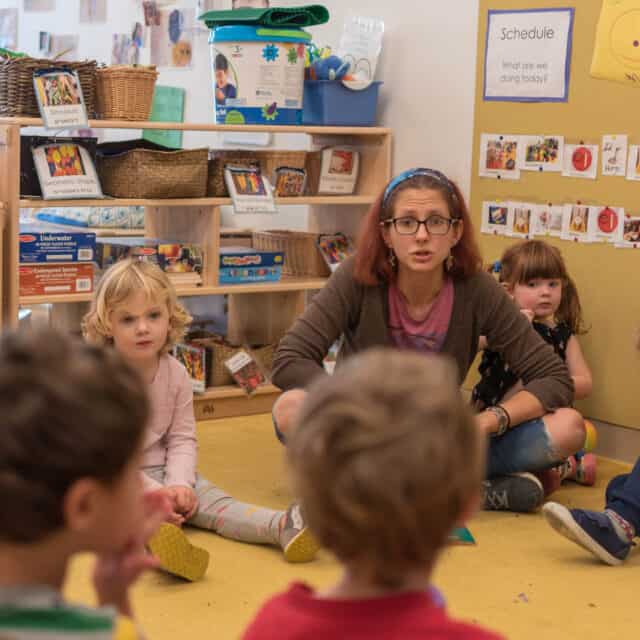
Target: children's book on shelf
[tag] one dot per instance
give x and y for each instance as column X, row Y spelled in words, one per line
column 59, row 96
column 250, row 191
column 335, row 248
column 242, row 265
column 36, row 245
column 66, row 171
column 339, row 169
column 197, row 359
column 245, row 371
column 43, row 279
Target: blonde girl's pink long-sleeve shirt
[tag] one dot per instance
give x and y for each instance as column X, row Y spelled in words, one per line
column 170, row 439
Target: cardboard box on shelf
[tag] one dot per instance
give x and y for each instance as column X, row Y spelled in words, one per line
column 42, row 279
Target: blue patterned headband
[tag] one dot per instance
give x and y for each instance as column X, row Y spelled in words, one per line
column 412, row 173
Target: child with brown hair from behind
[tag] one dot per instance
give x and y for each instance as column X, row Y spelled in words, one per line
column 71, row 430
column 371, row 462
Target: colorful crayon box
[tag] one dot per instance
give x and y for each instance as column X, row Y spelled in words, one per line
column 242, row 264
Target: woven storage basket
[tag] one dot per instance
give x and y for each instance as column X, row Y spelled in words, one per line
column 268, row 161
column 17, row 95
column 301, row 254
column 147, row 173
column 125, row 92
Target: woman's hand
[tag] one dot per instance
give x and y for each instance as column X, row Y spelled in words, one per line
column 116, row 571
column 184, row 500
column 487, row 421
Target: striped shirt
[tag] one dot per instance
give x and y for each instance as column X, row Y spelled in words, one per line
column 40, row 613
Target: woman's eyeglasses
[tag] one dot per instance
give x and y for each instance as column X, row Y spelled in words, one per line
column 408, row 225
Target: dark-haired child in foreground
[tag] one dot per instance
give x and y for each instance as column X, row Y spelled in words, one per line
column 71, row 432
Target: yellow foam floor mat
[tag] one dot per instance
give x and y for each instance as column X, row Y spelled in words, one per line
column 522, row 579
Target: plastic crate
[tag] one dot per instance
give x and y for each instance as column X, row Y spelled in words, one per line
column 328, row 102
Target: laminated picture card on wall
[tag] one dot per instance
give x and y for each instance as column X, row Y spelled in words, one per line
column 580, row 161
column 630, row 232
column 608, row 223
column 495, row 218
column 578, row 222
column 614, row 155
column 520, row 220
column 541, row 153
column 499, row 156
column 633, row 163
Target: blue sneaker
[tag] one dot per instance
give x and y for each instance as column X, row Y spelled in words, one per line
column 592, row 530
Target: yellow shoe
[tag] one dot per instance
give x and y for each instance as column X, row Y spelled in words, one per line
column 177, row 555
column 298, row 543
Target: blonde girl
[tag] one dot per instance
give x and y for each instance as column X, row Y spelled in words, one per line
column 535, row 275
column 135, row 309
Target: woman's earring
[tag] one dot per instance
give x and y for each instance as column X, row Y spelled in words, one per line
column 450, row 262
column 392, row 258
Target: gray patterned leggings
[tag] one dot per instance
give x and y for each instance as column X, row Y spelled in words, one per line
column 219, row 512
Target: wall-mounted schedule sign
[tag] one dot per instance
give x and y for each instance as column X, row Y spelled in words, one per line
column 528, row 55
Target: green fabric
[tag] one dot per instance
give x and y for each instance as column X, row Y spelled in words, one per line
column 63, row 619
column 275, row 17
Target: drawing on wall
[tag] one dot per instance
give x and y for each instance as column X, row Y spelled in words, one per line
column 9, row 28
column 93, row 10
column 541, row 153
column 172, row 39
column 616, row 55
column 614, row 155
column 124, row 50
column 39, row 5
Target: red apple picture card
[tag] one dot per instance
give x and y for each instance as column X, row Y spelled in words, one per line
column 580, row 161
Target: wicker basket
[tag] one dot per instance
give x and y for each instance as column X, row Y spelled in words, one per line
column 268, row 161
column 148, row 173
column 125, row 92
column 17, row 95
column 301, row 254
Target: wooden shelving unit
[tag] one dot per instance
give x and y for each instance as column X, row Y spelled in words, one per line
column 258, row 313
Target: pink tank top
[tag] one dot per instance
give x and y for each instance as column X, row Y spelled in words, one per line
column 426, row 334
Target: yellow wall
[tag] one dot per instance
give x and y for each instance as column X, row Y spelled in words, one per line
column 608, row 279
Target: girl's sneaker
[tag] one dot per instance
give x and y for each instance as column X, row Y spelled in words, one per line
column 582, row 469
column 177, row 555
column 297, row 542
column 520, row 492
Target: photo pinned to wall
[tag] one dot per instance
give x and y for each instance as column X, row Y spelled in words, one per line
column 608, row 225
column 577, row 223
column 614, row 155
column 151, row 13
column 499, row 156
column 580, row 161
column 172, row 38
column 9, row 28
column 124, row 50
column 520, row 218
column 495, row 218
column 630, row 232
column 59, row 96
column 93, row 10
column 65, row 171
column 633, row 163
column 541, row 153
column 39, row 5
column 541, row 219
column 64, row 47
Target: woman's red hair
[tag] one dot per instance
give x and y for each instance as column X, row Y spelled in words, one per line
column 372, row 263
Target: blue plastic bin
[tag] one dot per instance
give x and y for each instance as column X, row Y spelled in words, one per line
column 330, row 102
